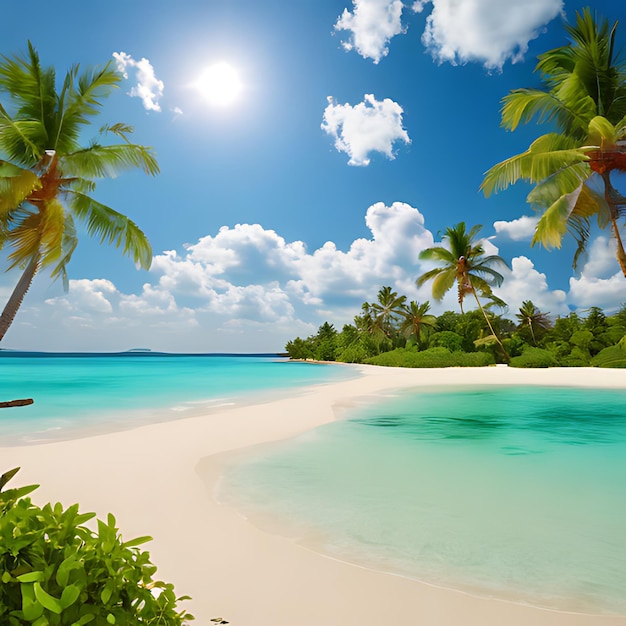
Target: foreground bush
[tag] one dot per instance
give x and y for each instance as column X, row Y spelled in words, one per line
column 433, row 357
column 614, row 356
column 534, row 357
column 56, row 571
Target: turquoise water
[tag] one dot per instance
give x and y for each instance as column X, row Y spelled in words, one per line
column 81, row 393
column 515, row 492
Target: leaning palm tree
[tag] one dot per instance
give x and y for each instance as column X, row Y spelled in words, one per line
column 531, row 318
column 47, row 175
column 463, row 262
column 416, row 320
column 584, row 95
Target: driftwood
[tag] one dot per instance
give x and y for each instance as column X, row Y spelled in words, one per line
column 10, row 403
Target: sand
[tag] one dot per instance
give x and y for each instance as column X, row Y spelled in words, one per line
column 161, row 480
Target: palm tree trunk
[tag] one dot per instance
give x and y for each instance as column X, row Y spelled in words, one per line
column 493, row 332
column 16, row 298
column 610, row 194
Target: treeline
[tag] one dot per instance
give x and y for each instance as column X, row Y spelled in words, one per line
column 394, row 332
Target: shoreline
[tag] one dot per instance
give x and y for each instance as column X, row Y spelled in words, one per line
column 160, row 480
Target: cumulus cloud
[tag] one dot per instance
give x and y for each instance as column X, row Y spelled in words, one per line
column 601, row 282
column 372, row 24
column 370, row 126
column 149, row 88
column 247, row 289
column 521, row 229
column 524, row 282
column 487, row 31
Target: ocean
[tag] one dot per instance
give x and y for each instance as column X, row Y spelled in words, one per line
column 79, row 394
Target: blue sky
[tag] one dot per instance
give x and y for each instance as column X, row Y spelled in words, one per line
column 361, row 131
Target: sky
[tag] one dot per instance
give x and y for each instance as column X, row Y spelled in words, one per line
column 345, row 137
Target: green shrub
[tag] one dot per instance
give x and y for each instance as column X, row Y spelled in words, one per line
column 613, row 356
column 534, row 357
column 433, row 357
column 446, row 339
column 56, row 571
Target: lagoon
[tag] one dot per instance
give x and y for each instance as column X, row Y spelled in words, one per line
column 508, row 492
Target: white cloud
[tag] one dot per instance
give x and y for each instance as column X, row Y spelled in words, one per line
column 521, row 229
column 488, row 31
column 372, row 25
column 524, row 282
column 149, row 88
column 601, row 282
column 247, row 289
column 370, row 126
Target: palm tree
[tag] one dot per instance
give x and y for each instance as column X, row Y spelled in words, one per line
column 388, row 309
column 584, row 94
column 463, row 262
column 533, row 319
column 416, row 319
column 47, row 175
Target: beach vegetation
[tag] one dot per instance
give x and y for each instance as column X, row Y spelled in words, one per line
column 613, row 356
column 572, row 169
column 573, row 340
column 48, row 173
column 534, row 357
column 61, row 567
column 432, row 357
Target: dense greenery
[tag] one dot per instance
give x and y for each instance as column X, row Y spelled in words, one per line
column 56, row 571
column 391, row 331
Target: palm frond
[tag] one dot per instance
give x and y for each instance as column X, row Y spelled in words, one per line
column 437, row 253
column 443, row 281
column 68, row 245
column 82, row 98
column 602, row 133
column 21, row 140
column 15, row 189
column 51, row 230
column 546, row 156
column 553, row 223
column 522, row 105
column 24, row 239
column 112, row 227
column 101, row 161
column 560, row 183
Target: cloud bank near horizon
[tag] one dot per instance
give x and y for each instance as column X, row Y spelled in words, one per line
column 246, row 286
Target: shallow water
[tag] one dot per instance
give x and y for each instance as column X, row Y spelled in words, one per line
column 514, row 492
column 78, row 394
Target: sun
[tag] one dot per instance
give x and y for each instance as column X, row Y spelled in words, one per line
column 220, row 84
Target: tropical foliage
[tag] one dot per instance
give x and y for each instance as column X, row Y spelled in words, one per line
column 583, row 96
column 55, row 570
column 456, row 339
column 47, row 175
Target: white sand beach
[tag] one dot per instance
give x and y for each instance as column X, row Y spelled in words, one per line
column 160, row 480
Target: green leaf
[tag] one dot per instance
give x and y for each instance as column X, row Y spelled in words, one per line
column 31, row 577
column 6, row 477
column 31, row 608
column 136, row 542
column 111, row 618
column 63, row 571
column 46, row 600
column 106, row 594
column 70, row 595
column 6, row 577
